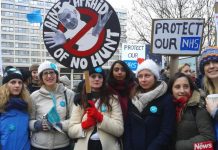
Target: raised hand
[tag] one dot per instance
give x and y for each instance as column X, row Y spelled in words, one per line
column 55, row 38
column 101, row 23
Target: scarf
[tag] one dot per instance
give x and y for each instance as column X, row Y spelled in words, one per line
column 122, row 90
column 180, row 105
column 141, row 100
column 16, row 103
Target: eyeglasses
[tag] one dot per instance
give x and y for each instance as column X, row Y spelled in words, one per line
column 94, row 76
column 46, row 73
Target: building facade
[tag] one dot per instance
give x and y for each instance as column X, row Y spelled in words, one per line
column 22, row 43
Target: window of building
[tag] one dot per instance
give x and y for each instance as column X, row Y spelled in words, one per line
column 35, row 53
column 8, row 21
column 7, row 37
column 7, row 14
column 21, row 30
column 21, row 8
column 22, row 1
column 34, row 31
column 20, row 15
column 21, row 37
column 7, row 29
column 7, row 60
column 35, row 60
column 22, row 53
column 34, row 38
column 21, row 45
column 21, row 22
column 7, row 6
column 47, row 54
column 7, row 44
column 7, row 52
column 35, row 46
column 21, row 60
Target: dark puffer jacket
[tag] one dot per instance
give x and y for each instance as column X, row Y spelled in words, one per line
column 195, row 126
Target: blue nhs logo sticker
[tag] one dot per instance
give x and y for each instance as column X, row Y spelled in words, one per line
column 190, row 43
column 133, row 64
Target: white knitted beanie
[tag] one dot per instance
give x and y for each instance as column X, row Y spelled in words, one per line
column 150, row 65
column 47, row 65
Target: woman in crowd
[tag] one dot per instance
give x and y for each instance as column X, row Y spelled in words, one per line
column 14, row 112
column 120, row 81
column 151, row 113
column 194, row 125
column 186, row 69
column 96, row 121
column 209, row 68
column 51, row 107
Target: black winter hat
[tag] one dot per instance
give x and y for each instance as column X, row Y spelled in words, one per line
column 98, row 70
column 11, row 73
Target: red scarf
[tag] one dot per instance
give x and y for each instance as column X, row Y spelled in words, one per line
column 180, row 105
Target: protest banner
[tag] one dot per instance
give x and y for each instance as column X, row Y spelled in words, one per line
column 177, row 36
column 81, row 34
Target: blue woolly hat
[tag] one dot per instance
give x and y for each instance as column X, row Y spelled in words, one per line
column 209, row 54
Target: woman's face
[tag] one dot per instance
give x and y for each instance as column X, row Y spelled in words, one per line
column 96, row 81
column 181, row 88
column 211, row 70
column 119, row 72
column 146, row 79
column 186, row 70
column 15, row 86
column 49, row 78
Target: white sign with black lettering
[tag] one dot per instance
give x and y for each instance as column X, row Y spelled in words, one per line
column 177, row 36
column 133, row 54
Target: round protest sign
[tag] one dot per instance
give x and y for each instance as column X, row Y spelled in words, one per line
column 81, row 34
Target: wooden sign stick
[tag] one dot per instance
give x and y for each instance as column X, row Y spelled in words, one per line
column 87, row 84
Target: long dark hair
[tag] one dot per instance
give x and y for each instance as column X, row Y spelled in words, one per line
column 179, row 75
column 130, row 77
column 104, row 96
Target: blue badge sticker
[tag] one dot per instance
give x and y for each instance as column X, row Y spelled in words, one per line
column 53, row 66
column 103, row 108
column 98, row 69
column 153, row 109
column 11, row 127
column 62, row 103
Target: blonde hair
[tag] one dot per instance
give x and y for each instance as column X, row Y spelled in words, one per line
column 208, row 85
column 5, row 97
column 183, row 66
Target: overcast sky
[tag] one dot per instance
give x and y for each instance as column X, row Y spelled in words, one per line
column 120, row 3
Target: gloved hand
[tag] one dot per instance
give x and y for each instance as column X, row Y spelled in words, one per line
column 89, row 122
column 93, row 112
column 40, row 125
column 55, row 38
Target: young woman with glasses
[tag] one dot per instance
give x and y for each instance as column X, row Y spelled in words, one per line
column 52, row 99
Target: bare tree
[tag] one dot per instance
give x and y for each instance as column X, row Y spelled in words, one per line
column 146, row 10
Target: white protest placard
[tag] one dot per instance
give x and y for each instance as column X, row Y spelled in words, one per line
column 177, row 36
column 133, row 54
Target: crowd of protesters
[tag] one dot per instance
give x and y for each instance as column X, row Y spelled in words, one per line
column 145, row 110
